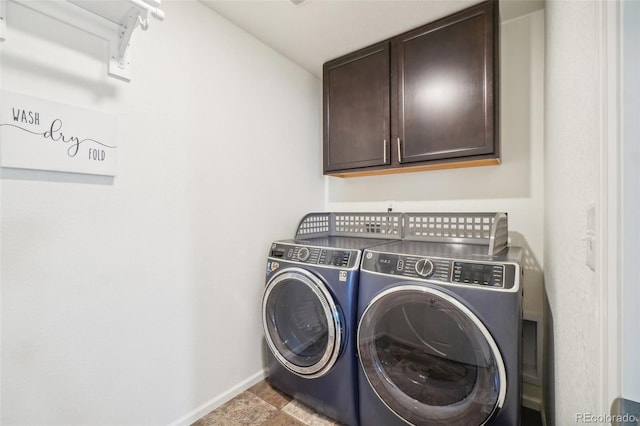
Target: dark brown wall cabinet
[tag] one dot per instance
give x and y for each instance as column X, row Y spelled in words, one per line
column 425, row 99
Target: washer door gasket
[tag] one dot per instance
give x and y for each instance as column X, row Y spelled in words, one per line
column 429, row 359
column 302, row 324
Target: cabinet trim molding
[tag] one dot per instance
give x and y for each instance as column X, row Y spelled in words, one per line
column 422, row 168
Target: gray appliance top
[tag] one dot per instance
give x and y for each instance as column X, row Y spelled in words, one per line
column 451, row 251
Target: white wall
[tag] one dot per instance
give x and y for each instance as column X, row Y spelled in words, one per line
column 135, row 300
column 572, row 117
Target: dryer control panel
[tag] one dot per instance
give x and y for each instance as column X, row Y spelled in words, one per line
column 467, row 272
column 314, row 255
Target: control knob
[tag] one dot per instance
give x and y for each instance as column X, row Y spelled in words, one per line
column 424, row 267
column 303, row 254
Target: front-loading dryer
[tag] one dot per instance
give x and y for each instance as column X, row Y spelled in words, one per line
column 309, row 310
column 439, row 335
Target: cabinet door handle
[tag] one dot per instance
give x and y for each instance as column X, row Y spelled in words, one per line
column 399, row 152
column 384, row 152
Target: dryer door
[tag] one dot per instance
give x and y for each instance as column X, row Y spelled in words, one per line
column 429, row 358
column 302, row 324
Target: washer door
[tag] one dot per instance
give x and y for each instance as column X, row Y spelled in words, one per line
column 302, row 324
column 429, row 358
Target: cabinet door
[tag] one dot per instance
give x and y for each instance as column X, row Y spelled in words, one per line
column 445, row 99
column 356, row 110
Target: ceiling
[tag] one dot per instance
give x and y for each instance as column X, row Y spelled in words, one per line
column 319, row 30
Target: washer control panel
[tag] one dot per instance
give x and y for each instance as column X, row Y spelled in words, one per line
column 314, row 255
column 452, row 271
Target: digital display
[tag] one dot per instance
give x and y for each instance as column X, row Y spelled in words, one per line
column 477, row 273
column 334, row 257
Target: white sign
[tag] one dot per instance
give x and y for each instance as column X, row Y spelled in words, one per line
column 44, row 135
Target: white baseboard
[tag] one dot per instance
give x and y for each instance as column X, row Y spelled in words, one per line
column 218, row 400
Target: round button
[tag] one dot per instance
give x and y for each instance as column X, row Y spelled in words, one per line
column 424, row 267
column 303, row 254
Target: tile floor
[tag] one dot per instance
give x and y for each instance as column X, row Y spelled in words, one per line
column 262, row 405
column 265, row 406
